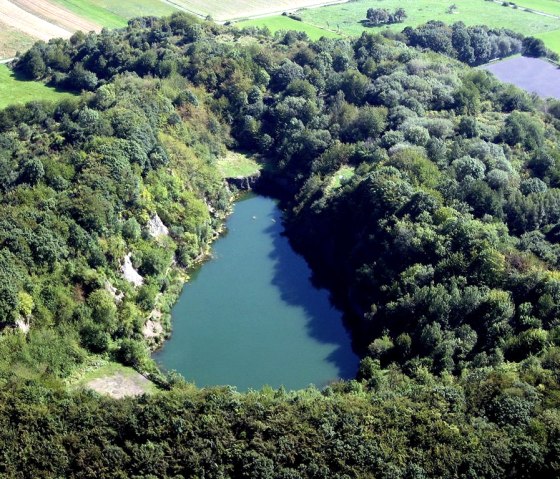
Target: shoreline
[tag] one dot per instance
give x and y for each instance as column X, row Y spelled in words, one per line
column 180, row 276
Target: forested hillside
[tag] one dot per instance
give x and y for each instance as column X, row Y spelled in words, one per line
column 423, row 192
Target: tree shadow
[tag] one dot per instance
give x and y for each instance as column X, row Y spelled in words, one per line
column 20, row 77
column 295, row 282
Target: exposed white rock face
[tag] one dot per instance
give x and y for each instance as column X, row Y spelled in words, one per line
column 152, row 329
column 129, row 273
column 156, row 228
column 117, row 296
column 22, row 325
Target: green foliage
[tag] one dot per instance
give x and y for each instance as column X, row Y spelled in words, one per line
column 425, row 194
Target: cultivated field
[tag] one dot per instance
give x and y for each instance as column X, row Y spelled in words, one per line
column 115, row 13
column 238, row 9
column 57, row 15
column 280, row 22
column 13, row 41
column 531, row 74
column 16, row 91
column 29, row 23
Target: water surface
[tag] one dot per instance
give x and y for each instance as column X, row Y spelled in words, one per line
column 532, row 74
column 251, row 316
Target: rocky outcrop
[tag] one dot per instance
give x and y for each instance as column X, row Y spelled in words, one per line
column 22, row 325
column 129, row 273
column 156, row 228
column 117, row 295
column 244, row 183
column 152, row 330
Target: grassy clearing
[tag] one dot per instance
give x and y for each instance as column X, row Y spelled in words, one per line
column 238, row 165
column 346, row 17
column 105, row 376
column 344, row 173
column 551, row 40
column 280, row 22
column 16, row 91
column 115, row 13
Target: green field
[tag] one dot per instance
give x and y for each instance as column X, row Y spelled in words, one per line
column 115, row 13
column 15, row 91
column 237, row 165
column 551, row 40
column 286, row 23
column 346, row 17
column 344, row 173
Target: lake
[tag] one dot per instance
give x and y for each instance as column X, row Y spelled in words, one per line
column 532, row 74
column 251, row 316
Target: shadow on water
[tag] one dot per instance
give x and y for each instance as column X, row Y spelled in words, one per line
column 294, row 280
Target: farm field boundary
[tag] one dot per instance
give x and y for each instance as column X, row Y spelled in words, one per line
column 57, row 15
column 12, row 40
column 116, row 13
column 28, row 23
column 247, row 9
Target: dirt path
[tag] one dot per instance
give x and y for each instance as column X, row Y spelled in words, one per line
column 26, row 22
column 57, row 15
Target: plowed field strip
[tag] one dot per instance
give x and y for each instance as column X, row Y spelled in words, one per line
column 57, row 15
column 28, row 23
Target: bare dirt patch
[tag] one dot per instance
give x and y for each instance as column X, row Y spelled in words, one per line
column 119, row 385
column 57, row 15
column 236, row 9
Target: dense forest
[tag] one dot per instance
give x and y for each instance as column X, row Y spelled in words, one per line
column 425, row 193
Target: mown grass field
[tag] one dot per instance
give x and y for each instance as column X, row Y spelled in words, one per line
column 15, row 91
column 551, row 40
column 286, row 23
column 115, row 13
column 346, row 17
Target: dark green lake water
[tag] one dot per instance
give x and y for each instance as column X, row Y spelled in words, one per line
column 251, row 317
